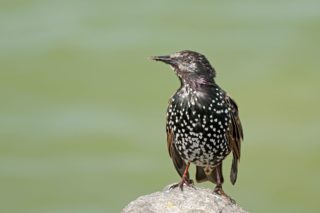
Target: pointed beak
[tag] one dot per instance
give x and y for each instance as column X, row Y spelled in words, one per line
column 166, row 59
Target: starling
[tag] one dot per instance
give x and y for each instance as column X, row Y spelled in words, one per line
column 203, row 124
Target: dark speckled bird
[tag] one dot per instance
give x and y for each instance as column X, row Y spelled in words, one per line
column 203, row 124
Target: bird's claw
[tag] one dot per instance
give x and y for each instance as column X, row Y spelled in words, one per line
column 219, row 191
column 184, row 180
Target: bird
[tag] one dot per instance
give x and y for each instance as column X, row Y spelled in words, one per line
column 202, row 122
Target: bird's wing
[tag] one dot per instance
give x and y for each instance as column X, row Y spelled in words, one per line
column 178, row 163
column 234, row 136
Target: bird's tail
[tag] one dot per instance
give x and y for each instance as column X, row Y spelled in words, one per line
column 201, row 176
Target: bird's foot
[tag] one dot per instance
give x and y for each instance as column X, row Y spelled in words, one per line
column 184, row 180
column 219, row 191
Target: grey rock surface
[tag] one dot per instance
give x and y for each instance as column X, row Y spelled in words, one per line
column 190, row 200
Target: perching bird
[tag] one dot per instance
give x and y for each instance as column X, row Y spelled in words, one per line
column 203, row 124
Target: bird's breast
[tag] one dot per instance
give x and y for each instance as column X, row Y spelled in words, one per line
column 199, row 122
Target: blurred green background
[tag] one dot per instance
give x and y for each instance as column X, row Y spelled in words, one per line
column 82, row 110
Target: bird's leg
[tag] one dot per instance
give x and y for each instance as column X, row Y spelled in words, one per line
column 184, row 179
column 219, row 181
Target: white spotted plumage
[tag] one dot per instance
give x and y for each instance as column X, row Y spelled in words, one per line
column 195, row 125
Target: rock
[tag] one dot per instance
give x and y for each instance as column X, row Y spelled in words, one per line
column 190, row 200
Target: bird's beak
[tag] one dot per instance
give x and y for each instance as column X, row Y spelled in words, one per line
column 166, row 59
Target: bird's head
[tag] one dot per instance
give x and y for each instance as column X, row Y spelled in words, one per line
column 191, row 67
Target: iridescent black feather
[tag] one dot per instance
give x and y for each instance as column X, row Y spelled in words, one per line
column 203, row 124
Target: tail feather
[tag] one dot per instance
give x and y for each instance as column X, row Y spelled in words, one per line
column 202, row 176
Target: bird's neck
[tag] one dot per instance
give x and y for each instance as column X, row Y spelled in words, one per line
column 192, row 89
column 196, row 83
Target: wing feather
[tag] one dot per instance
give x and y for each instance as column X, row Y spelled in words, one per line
column 234, row 136
column 178, row 163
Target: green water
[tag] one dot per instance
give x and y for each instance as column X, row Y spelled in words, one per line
column 82, row 108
